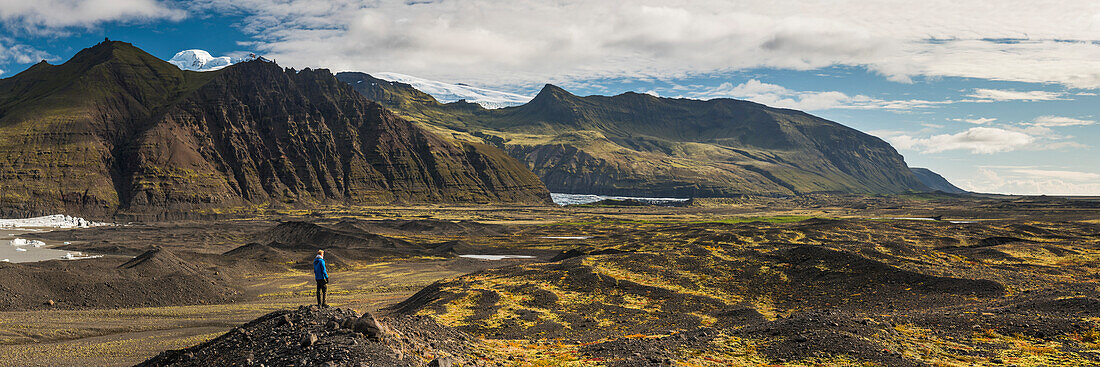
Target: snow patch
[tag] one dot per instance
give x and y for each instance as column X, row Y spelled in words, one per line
column 50, row 221
column 447, row 92
column 200, row 60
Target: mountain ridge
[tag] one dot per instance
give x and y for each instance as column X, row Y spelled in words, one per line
column 642, row 145
column 116, row 130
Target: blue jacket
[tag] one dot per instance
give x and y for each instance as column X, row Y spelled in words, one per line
column 319, row 269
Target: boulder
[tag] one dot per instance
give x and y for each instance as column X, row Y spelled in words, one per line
column 308, row 340
column 441, row 362
column 368, row 326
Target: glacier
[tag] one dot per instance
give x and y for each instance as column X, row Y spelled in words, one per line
column 447, row 92
column 50, row 221
column 200, row 60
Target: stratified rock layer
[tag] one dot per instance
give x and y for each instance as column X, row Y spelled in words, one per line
column 115, row 129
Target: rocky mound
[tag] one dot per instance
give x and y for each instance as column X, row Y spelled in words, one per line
column 343, row 245
column 456, row 247
column 582, row 251
column 830, row 277
column 434, row 227
column 158, row 261
column 295, row 234
column 311, row 336
column 157, row 277
column 271, row 255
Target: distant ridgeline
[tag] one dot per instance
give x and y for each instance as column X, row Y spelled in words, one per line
column 115, row 130
column 641, row 145
column 936, row 182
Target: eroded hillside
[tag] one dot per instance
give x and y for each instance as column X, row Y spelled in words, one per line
column 116, row 130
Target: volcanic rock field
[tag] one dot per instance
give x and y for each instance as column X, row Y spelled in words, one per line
column 716, row 283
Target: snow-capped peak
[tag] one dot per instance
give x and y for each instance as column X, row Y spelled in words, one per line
column 447, row 92
column 200, row 60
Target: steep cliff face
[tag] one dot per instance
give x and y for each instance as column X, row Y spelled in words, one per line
column 637, row 144
column 117, row 130
column 62, row 127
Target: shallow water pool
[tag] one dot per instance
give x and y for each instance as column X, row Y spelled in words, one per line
column 18, row 250
column 497, row 257
column 573, row 199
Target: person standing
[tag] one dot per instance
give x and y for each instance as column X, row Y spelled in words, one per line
column 320, row 272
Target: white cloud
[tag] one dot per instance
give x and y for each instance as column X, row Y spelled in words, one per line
column 19, row 53
column 778, row 96
column 39, row 16
column 997, row 95
column 519, row 42
column 1059, row 174
column 977, row 121
column 981, row 139
column 978, row 140
column 1060, row 121
column 1030, row 181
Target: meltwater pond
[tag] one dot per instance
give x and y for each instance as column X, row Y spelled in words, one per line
column 18, row 250
column 580, row 199
column 497, row 257
column 15, row 249
column 932, row 219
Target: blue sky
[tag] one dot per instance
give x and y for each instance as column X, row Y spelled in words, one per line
column 996, row 96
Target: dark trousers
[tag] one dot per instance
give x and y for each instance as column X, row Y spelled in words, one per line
column 322, row 291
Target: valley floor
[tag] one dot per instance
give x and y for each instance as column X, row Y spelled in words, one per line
column 804, row 281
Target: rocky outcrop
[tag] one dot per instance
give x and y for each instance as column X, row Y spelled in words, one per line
column 311, row 336
column 115, row 130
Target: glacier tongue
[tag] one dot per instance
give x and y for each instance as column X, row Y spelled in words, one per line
column 446, row 92
column 200, row 60
column 50, row 221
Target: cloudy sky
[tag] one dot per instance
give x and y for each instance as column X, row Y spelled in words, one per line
column 998, row 96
